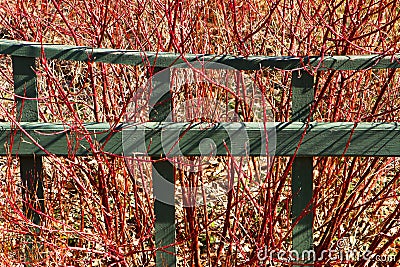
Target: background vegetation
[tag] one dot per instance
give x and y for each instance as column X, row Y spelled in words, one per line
column 97, row 213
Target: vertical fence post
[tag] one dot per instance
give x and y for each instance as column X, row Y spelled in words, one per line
column 302, row 168
column 163, row 179
column 25, row 90
column 27, row 111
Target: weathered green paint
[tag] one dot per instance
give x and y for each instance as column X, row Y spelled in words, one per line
column 31, row 175
column 164, row 59
column 321, row 139
column 25, row 87
column 164, row 210
column 302, row 168
column 163, row 175
column 27, row 110
column 25, row 90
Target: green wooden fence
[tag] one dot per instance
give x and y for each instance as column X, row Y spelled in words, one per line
column 321, row 139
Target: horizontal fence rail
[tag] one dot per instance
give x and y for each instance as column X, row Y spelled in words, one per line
column 321, row 139
column 301, row 137
column 163, row 59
